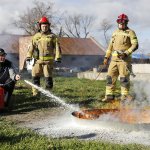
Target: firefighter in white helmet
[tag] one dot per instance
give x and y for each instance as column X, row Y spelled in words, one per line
column 122, row 44
column 45, row 50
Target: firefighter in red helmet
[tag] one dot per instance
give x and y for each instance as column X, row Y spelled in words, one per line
column 45, row 50
column 122, row 44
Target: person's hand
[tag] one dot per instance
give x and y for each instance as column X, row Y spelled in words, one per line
column 17, row 77
column 122, row 55
column 105, row 62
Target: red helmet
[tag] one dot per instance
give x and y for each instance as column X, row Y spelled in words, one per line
column 122, row 18
column 44, row 20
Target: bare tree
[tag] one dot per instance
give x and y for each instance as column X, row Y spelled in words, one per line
column 78, row 25
column 105, row 25
column 28, row 20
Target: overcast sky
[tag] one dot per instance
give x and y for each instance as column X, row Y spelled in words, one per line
column 137, row 11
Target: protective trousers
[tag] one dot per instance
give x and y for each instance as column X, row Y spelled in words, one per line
column 39, row 69
column 116, row 69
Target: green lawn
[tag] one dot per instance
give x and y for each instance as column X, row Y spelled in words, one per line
column 84, row 92
column 14, row 138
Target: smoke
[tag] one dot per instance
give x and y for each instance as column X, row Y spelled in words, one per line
column 141, row 89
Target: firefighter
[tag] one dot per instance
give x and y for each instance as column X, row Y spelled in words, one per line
column 8, row 77
column 122, row 44
column 44, row 50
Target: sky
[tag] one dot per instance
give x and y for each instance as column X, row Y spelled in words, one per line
column 137, row 11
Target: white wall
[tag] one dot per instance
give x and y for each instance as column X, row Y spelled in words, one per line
column 141, row 68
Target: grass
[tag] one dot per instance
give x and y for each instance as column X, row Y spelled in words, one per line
column 14, row 138
column 81, row 91
column 84, row 92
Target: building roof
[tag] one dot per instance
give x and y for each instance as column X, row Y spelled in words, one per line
column 80, row 46
column 69, row 46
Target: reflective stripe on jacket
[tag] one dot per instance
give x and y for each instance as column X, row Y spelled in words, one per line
column 44, row 47
column 122, row 40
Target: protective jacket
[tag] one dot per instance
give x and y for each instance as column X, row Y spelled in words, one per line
column 44, row 47
column 122, row 41
column 6, row 71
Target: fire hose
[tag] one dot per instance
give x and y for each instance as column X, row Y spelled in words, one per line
column 101, row 69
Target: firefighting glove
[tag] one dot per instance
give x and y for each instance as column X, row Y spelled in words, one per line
column 58, row 60
column 122, row 55
column 105, row 62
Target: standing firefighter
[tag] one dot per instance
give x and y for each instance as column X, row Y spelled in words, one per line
column 122, row 44
column 44, row 50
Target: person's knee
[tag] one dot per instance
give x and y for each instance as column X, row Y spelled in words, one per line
column 9, row 84
column 124, row 81
column 108, row 80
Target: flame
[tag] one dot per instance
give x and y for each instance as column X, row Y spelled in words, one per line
column 126, row 115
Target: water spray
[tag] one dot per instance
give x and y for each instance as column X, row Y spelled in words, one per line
column 54, row 98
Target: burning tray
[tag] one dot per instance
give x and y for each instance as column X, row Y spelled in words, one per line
column 132, row 116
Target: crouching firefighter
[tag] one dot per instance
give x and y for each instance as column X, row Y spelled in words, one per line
column 45, row 50
column 8, row 78
column 122, row 44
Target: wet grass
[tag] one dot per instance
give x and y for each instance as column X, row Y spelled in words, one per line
column 84, row 92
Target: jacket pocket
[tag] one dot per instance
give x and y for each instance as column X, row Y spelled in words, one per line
column 126, row 39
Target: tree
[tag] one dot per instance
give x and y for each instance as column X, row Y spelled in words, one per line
column 28, row 20
column 105, row 25
column 77, row 25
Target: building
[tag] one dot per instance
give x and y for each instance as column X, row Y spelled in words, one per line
column 10, row 44
column 77, row 53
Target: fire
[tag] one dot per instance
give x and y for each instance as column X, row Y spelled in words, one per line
column 131, row 116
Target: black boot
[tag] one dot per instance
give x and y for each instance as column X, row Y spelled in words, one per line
column 36, row 81
column 49, row 83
